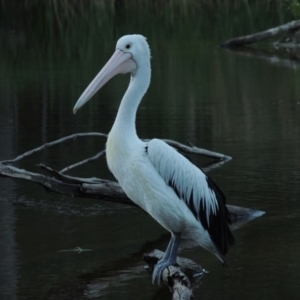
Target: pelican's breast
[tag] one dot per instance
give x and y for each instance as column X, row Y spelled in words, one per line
column 144, row 186
column 124, row 155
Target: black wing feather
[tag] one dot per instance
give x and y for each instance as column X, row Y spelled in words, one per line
column 217, row 225
column 215, row 218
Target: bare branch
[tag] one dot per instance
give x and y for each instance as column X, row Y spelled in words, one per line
column 195, row 150
column 259, row 36
column 69, row 179
column 186, row 265
column 103, row 189
column 82, row 162
column 48, row 145
column 181, row 279
column 49, row 183
column 183, row 148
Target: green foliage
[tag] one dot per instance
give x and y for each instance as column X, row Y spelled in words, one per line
column 70, row 28
column 294, row 7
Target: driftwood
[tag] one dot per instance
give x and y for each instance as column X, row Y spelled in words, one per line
column 98, row 188
column 180, row 279
column 263, row 35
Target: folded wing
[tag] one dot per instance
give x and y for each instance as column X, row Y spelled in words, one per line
column 203, row 197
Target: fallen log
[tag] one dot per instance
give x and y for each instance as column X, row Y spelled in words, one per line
column 262, row 35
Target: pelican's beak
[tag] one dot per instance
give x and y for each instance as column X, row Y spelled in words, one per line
column 120, row 63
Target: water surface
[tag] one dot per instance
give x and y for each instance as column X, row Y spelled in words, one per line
column 242, row 106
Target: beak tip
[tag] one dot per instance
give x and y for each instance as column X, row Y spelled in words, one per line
column 74, row 111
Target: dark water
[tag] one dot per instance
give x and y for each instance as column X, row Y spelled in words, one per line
column 240, row 105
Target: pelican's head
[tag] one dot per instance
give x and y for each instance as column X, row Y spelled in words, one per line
column 132, row 51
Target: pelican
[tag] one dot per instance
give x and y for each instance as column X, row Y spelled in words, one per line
column 155, row 176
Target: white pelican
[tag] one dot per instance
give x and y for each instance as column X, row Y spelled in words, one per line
column 171, row 189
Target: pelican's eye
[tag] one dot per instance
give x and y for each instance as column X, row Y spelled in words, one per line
column 128, row 46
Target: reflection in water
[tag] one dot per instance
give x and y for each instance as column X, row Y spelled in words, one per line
column 244, row 107
column 289, row 58
column 8, row 258
column 9, row 264
column 100, row 282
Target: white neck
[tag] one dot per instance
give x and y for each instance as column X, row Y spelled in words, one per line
column 124, row 126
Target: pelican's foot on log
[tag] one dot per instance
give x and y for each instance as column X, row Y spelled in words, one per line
column 159, row 268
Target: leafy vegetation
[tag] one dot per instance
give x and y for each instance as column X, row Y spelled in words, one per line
column 71, row 28
column 294, row 7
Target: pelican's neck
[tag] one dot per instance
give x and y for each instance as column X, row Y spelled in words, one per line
column 124, row 125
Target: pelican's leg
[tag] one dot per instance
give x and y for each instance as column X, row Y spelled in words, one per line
column 168, row 259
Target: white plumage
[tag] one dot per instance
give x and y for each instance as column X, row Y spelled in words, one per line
column 177, row 171
column 155, row 176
